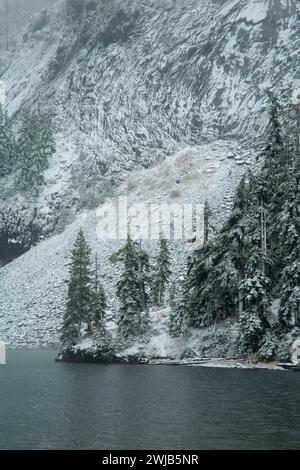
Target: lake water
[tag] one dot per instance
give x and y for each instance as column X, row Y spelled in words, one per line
column 48, row 405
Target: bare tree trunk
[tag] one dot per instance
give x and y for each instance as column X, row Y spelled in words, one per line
column 241, row 302
column 206, row 221
column 142, row 284
column 263, row 236
column 96, row 272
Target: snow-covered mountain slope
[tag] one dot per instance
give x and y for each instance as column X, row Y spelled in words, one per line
column 33, row 287
column 129, row 83
column 151, row 98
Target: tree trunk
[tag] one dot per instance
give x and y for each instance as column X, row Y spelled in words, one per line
column 263, row 236
column 142, row 285
column 241, row 302
column 206, row 220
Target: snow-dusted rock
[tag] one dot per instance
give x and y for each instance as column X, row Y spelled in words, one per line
column 150, row 99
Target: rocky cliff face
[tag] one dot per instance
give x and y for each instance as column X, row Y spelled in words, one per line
column 131, row 83
column 132, row 80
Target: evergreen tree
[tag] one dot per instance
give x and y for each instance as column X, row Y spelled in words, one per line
column 131, row 289
column 77, row 315
column 162, row 273
column 257, row 251
column 237, row 258
column 275, row 163
column 178, row 323
column 251, row 331
column 7, row 144
column 99, row 303
column 207, row 214
column 289, row 311
column 289, row 233
column 273, row 181
column 201, row 287
column 144, row 278
column 47, row 139
column 36, row 145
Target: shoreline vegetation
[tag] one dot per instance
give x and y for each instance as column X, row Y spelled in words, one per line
column 248, row 271
column 222, row 363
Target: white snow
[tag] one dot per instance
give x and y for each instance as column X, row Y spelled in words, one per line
column 158, row 100
column 255, row 10
column 33, row 286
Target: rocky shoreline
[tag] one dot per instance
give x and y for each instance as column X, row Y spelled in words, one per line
column 79, row 356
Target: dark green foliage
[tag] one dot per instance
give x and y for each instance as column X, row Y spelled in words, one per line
column 283, row 353
column 221, row 270
column 179, row 305
column 31, row 153
column 132, row 289
column 86, row 301
column 275, row 161
column 162, row 274
column 289, row 234
column 268, row 346
column 36, row 145
column 257, row 252
column 77, row 317
column 7, row 144
column 99, row 303
column 251, row 330
column 290, row 299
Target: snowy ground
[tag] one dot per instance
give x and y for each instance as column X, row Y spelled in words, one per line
column 214, row 341
column 33, row 287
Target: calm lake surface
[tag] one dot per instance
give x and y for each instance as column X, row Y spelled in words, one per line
column 48, row 405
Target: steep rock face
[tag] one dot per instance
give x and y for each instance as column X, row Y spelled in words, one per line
column 130, row 83
column 132, row 80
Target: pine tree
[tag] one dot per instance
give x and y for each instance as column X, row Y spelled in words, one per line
column 178, row 323
column 131, row 289
column 162, row 274
column 99, row 303
column 289, row 311
column 48, row 144
column 77, row 315
column 251, row 331
column 273, row 181
column 289, row 233
column 275, row 162
column 7, row 144
column 36, row 145
column 101, row 336
column 257, row 251
column 207, row 214
column 201, row 287
column 144, row 278
column 236, row 257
